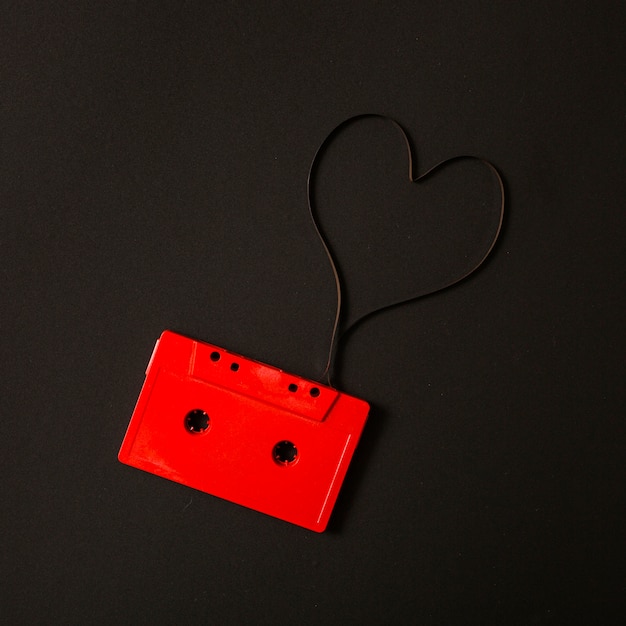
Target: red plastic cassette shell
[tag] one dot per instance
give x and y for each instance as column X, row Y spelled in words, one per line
column 243, row 431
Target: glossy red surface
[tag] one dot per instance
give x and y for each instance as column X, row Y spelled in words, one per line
column 243, row 431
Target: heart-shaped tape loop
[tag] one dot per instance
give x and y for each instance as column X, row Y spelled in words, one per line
column 336, row 337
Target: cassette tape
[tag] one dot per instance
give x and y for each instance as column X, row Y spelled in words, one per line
column 243, row 431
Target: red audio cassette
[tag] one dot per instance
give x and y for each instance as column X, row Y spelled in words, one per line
column 243, row 431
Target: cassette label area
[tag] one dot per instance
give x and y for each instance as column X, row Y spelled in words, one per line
column 243, row 431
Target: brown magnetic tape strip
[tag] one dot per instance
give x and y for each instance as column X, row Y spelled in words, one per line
column 335, row 337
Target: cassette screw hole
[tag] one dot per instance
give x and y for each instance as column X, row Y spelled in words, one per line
column 285, row 453
column 197, row 421
column 314, row 392
column 293, row 387
column 234, row 366
column 215, row 356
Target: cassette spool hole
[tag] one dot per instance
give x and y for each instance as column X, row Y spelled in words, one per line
column 234, row 367
column 197, row 421
column 285, row 453
column 293, row 387
column 314, row 392
column 215, row 356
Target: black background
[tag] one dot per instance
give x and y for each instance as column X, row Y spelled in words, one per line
column 153, row 175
